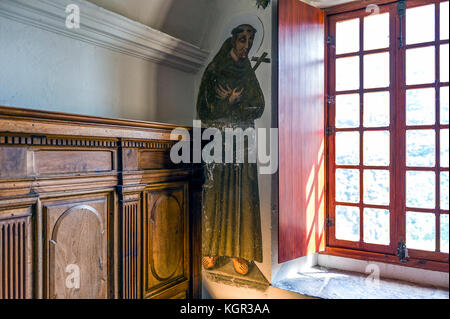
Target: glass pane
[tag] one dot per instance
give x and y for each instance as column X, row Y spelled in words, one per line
column 347, row 223
column 376, row 109
column 420, row 189
column 444, row 63
column 376, row 187
column 420, row 148
column 347, row 110
column 347, row 185
column 347, row 148
column 420, row 231
column 420, row 24
column 376, row 148
column 420, row 107
column 444, row 190
column 444, row 148
column 376, row 226
column 376, row 70
column 420, row 65
column 376, row 31
column 444, row 105
column 347, row 36
column 444, row 20
column 347, row 74
column 444, row 233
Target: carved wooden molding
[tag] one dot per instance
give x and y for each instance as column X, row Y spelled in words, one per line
column 56, row 141
column 109, row 30
column 81, row 142
column 154, row 145
column 20, row 122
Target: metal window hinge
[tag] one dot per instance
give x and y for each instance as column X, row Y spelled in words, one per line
column 330, row 40
column 402, row 252
column 401, row 10
column 330, row 221
column 331, row 130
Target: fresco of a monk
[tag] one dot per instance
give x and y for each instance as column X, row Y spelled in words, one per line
column 230, row 97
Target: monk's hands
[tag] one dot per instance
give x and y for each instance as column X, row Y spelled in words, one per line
column 236, row 96
column 233, row 96
column 222, row 93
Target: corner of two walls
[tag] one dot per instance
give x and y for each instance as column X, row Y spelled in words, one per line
column 221, row 13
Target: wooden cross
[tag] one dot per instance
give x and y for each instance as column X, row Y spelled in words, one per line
column 260, row 60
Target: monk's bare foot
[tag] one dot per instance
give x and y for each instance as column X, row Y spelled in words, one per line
column 209, row 262
column 240, row 265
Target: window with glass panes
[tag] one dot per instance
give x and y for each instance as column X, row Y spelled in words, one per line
column 388, row 117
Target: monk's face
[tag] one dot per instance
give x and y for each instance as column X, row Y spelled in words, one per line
column 243, row 42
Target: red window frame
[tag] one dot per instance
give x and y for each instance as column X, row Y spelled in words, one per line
column 397, row 128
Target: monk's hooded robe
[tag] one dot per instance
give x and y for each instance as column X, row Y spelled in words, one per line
column 231, row 223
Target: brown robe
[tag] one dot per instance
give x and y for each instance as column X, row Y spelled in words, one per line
column 231, row 223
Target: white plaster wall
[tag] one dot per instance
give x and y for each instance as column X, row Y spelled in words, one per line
column 43, row 70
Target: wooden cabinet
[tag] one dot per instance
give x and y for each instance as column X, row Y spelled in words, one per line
column 93, row 208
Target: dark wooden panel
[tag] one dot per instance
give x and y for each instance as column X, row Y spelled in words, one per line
column 195, row 218
column 13, row 162
column 301, row 129
column 76, row 242
column 155, row 160
column 130, row 159
column 166, row 254
column 72, row 161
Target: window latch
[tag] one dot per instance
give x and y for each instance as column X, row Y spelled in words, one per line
column 331, row 130
column 331, row 99
column 402, row 252
column 330, row 221
column 330, row 40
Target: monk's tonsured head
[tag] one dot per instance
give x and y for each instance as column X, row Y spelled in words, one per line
column 243, row 37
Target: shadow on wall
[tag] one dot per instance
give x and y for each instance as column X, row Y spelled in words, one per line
column 169, row 94
column 188, row 21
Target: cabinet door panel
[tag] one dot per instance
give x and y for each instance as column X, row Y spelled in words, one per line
column 166, row 238
column 76, row 240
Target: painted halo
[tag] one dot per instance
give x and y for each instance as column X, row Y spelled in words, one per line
column 252, row 20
